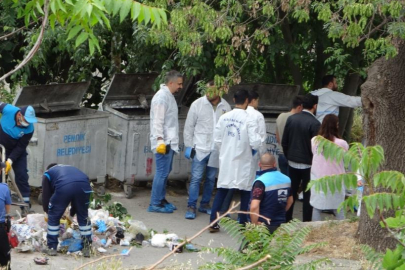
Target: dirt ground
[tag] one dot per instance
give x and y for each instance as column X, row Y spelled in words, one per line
column 140, row 257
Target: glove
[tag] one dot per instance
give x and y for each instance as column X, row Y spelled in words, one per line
column 161, row 148
column 188, row 154
column 254, row 152
column 9, row 162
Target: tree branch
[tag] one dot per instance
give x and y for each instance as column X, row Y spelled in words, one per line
column 18, row 30
column 253, row 265
column 36, row 46
column 386, row 20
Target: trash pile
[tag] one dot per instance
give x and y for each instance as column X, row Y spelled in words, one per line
column 29, row 234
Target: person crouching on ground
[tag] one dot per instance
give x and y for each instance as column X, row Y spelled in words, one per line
column 63, row 185
column 5, row 202
column 271, row 194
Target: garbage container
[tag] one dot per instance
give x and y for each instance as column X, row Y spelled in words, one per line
column 129, row 155
column 273, row 100
column 66, row 133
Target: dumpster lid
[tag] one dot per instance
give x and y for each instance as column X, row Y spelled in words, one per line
column 130, row 91
column 273, row 98
column 52, row 97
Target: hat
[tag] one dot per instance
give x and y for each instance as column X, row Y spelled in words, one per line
column 29, row 114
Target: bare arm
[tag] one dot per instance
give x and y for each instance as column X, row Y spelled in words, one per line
column 7, row 208
column 254, row 208
column 290, row 201
column 278, row 137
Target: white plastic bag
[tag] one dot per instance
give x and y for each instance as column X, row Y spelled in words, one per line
column 37, row 221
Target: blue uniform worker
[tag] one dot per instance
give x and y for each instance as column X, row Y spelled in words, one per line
column 63, row 185
column 271, row 194
column 5, row 202
column 16, row 129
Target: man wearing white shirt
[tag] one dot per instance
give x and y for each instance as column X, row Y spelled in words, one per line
column 330, row 100
column 164, row 138
column 199, row 141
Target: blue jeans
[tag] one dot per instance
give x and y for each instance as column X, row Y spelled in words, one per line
column 163, row 169
column 219, row 200
column 283, row 164
column 227, row 201
column 197, row 172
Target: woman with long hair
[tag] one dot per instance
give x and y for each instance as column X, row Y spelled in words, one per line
column 322, row 167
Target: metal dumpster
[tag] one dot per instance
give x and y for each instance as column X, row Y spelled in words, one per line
column 129, row 157
column 65, row 133
column 273, row 100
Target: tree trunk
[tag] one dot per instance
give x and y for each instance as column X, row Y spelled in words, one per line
column 383, row 100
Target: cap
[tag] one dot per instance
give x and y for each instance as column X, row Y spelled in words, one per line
column 29, row 114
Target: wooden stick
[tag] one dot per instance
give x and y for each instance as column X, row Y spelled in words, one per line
column 262, row 260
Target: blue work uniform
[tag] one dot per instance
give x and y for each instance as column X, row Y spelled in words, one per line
column 272, row 188
column 15, row 139
column 5, row 199
column 63, row 185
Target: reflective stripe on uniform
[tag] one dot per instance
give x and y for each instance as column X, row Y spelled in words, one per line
column 53, row 228
column 53, row 232
column 26, row 199
column 85, row 233
column 85, row 228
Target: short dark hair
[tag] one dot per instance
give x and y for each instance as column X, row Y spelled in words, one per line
column 327, row 79
column 171, row 75
column 309, row 101
column 51, row 165
column 240, row 96
column 297, row 101
column 252, row 94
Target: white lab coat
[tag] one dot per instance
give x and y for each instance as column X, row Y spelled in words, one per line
column 261, row 128
column 329, row 102
column 236, row 134
column 199, row 128
column 164, row 119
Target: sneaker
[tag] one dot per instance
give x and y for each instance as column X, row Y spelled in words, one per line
column 159, row 209
column 205, row 208
column 86, row 250
column 214, row 228
column 169, row 205
column 49, row 251
column 190, row 214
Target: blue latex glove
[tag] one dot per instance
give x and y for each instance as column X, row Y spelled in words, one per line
column 102, row 227
column 254, row 152
column 187, row 153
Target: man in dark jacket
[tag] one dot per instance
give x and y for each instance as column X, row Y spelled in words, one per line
column 63, row 185
column 299, row 130
column 16, row 130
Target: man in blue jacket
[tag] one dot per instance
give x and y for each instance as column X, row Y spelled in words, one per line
column 271, row 194
column 16, row 130
column 63, row 185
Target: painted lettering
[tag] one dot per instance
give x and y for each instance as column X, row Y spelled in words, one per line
column 74, row 138
column 70, row 151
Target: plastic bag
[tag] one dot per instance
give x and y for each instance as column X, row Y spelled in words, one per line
column 136, row 227
column 99, row 214
column 37, row 221
column 23, row 231
column 161, row 240
column 72, row 244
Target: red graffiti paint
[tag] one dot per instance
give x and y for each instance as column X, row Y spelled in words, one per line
column 149, row 162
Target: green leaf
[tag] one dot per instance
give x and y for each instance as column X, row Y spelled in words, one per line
column 125, row 9
column 116, row 6
column 69, row 2
column 61, row 5
column 53, row 6
column 91, row 46
column 135, row 10
column 52, row 19
column 89, row 9
column 163, row 15
column 147, row 13
column 141, row 14
column 81, row 38
column 74, row 31
column 39, row 8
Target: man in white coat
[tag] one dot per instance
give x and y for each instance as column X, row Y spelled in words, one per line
column 199, row 141
column 236, row 136
column 253, row 112
column 164, row 138
column 330, row 100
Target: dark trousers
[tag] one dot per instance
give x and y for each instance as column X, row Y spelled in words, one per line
column 21, row 176
column 78, row 194
column 283, row 164
column 300, row 177
column 220, row 198
column 5, row 258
